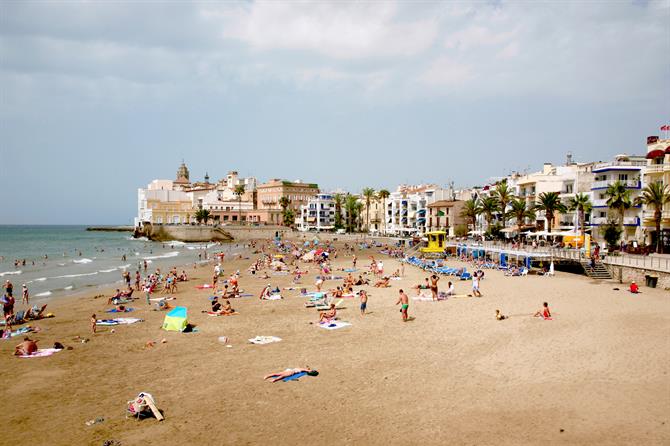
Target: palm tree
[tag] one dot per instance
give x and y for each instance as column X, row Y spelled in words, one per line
column 284, row 203
column 489, row 207
column 656, row 195
column 350, row 205
column 550, row 203
column 339, row 202
column 359, row 210
column 520, row 211
column 470, row 211
column 206, row 215
column 384, row 194
column 618, row 198
column 504, row 195
column 239, row 191
column 369, row 194
column 582, row 204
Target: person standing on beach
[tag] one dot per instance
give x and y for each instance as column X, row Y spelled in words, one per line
column 26, row 297
column 94, row 323
column 145, row 267
column 475, row 286
column 433, row 286
column 364, row 301
column 9, row 288
column 353, row 261
column 138, row 279
column 147, row 291
column 403, row 300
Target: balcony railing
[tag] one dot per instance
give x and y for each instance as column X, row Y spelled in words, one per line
column 606, row 183
column 620, row 163
column 654, row 168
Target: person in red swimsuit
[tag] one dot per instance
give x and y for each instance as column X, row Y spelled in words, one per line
column 544, row 312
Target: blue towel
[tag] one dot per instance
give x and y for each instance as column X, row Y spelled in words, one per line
column 114, row 310
column 295, row 377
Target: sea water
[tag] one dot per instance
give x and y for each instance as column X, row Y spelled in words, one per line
column 63, row 260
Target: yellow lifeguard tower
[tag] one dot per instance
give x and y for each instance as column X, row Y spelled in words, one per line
column 436, row 241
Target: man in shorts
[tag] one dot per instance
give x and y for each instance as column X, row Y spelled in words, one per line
column 475, row 286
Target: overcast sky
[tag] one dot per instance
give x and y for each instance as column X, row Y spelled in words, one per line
column 98, row 98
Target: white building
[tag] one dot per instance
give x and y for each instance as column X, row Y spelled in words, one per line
column 318, row 214
column 406, row 209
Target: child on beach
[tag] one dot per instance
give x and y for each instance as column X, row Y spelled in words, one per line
column 544, row 312
column 500, row 317
column 94, row 323
column 403, row 300
column 633, row 288
column 364, row 301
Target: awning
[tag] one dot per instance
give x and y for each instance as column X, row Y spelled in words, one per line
column 656, row 153
column 421, row 212
column 667, row 149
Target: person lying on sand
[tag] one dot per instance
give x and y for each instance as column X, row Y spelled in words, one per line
column 499, row 316
column 396, row 273
column 326, row 316
column 544, row 312
column 383, row 283
column 274, row 377
column 27, row 347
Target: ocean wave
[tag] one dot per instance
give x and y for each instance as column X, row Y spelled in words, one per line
column 9, row 273
column 107, row 270
column 68, row 276
column 126, row 266
column 175, row 243
column 138, row 239
column 83, row 261
column 44, row 294
column 68, row 287
column 41, row 279
column 163, row 256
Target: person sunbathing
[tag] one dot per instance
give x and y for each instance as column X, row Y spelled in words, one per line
column 327, row 316
column 266, row 293
column 360, row 281
column 227, row 308
column 383, row 283
column 26, row 348
column 396, row 273
column 116, row 296
column 274, row 377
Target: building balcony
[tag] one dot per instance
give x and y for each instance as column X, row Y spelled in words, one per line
column 604, row 166
column 630, row 184
column 655, row 168
column 627, row 221
column 649, row 215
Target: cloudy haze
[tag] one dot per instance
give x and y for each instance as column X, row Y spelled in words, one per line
column 98, row 99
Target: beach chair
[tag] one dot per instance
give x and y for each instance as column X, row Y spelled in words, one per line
column 143, row 405
column 466, row 276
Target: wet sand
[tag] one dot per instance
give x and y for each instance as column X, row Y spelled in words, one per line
column 596, row 374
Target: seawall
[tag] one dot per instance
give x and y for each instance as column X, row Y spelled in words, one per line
column 183, row 233
column 627, row 274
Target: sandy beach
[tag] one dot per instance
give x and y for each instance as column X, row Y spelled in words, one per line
column 596, row 374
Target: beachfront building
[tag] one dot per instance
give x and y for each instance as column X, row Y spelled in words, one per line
column 628, row 170
column 223, row 202
column 376, row 213
column 406, row 209
column 268, row 195
column 159, row 203
column 445, row 215
column 319, row 213
column 657, row 170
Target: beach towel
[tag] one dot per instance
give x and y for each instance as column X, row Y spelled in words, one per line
column 158, row 299
column 211, row 313
column 273, row 297
column 396, row 278
column 204, row 287
column 294, row 377
column 114, row 310
column 350, row 270
column 119, row 321
column 261, row 340
column 20, row 331
column 334, row 325
column 422, row 298
column 42, row 353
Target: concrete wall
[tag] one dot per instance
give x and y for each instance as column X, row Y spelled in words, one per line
column 184, row 233
column 258, row 232
column 626, row 275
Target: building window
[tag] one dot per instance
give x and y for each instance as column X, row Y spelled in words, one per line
column 623, row 177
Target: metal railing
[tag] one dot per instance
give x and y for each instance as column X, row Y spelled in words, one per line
column 606, row 183
column 654, row 263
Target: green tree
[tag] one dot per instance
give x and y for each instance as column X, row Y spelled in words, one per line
column 582, row 204
column 202, row 215
column 369, row 194
column 611, row 233
column 351, row 208
column 339, row 203
column 470, row 211
column 384, row 194
column 550, row 203
column 656, row 195
column 618, row 199
column 521, row 211
column 288, row 217
column 504, row 195
column 284, row 203
column 489, row 206
column 239, row 191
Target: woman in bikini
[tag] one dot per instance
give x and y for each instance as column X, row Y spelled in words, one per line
column 433, row 285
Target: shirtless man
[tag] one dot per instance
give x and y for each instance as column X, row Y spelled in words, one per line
column 403, row 300
column 26, row 348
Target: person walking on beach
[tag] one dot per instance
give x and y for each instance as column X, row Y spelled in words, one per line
column 475, row 286
column 26, row 297
column 138, row 279
column 364, row 301
column 403, row 300
column 9, row 288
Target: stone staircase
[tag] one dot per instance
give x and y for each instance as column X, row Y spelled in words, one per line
column 598, row 273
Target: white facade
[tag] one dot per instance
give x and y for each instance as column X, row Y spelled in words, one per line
column 318, row 214
column 406, row 213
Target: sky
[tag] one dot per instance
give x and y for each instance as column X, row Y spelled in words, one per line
column 98, row 99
